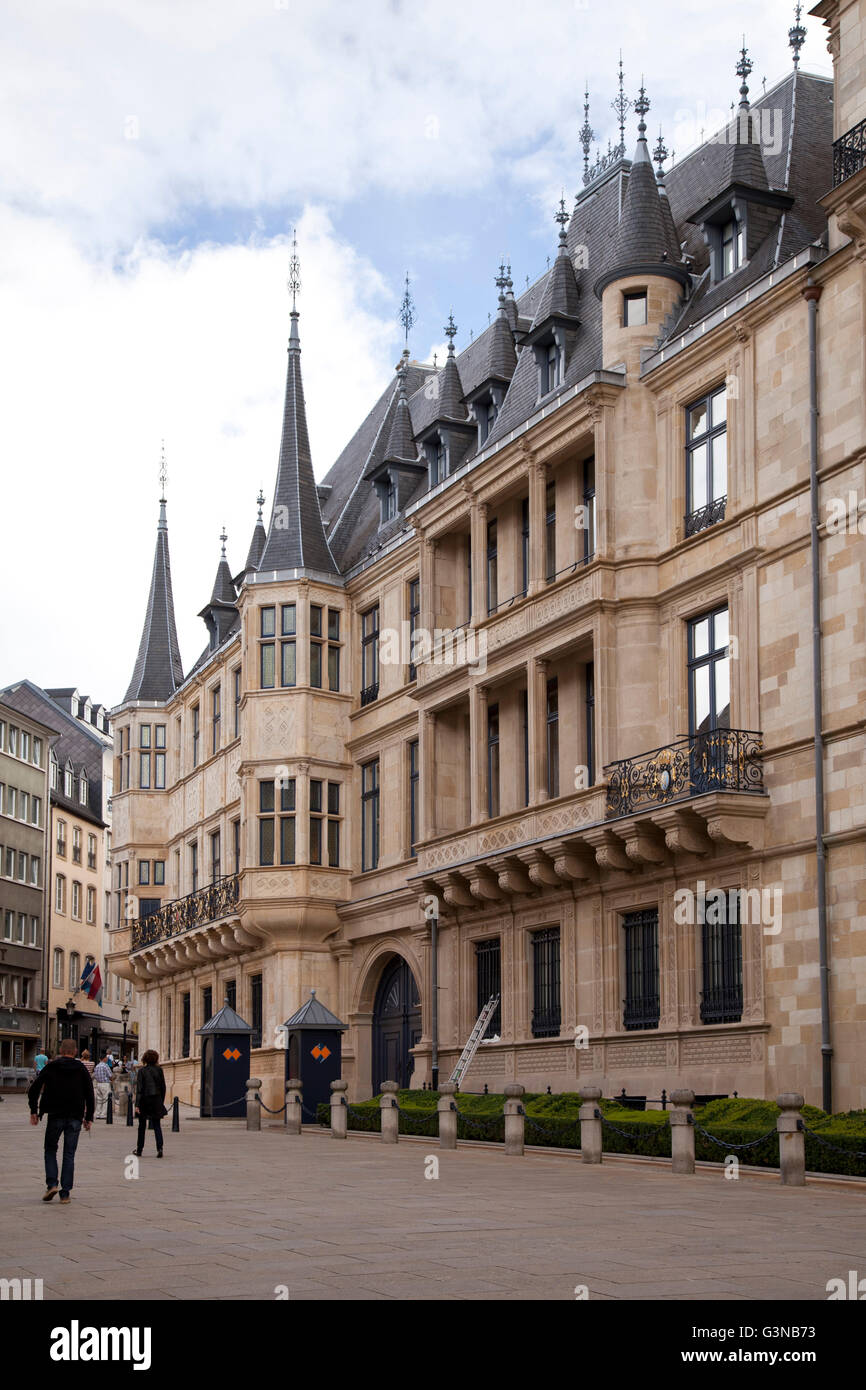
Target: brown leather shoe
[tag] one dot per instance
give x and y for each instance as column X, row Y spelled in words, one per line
column 50, row 1192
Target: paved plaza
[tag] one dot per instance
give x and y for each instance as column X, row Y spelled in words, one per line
column 228, row 1214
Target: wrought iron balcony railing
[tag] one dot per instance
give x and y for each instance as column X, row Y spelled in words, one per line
column 727, row 760
column 706, row 516
column 195, row 910
column 849, row 153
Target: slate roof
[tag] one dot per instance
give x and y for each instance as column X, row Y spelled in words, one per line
column 314, row 1015
column 296, row 538
column 158, row 669
column 74, row 741
column 226, row 1020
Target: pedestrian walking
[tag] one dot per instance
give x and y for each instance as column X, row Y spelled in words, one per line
column 102, row 1086
column 39, row 1061
column 63, row 1092
column 150, row 1100
column 86, row 1059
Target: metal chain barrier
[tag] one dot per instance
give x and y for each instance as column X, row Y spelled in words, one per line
column 727, row 1145
column 480, row 1124
column 416, row 1119
column 268, row 1108
column 825, row 1143
column 629, row 1133
column 549, row 1133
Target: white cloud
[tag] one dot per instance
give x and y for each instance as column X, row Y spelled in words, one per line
column 103, row 362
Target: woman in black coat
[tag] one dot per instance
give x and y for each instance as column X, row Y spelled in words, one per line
column 150, row 1100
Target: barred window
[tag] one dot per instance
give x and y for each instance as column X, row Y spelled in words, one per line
column 641, row 1004
column 546, row 1008
column 488, row 968
column 722, row 951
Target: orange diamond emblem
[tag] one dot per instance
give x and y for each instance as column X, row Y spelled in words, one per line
column 320, row 1053
column 231, row 1054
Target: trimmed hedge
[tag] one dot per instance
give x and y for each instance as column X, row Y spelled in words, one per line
column 552, row 1122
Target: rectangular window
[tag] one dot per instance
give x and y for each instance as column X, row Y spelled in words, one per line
column 288, row 645
column 333, row 649
column 315, row 821
column 35, row 870
column 76, row 901
column 414, row 783
column 215, row 857
column 159, row 741
column 492, row 568
column 144, row 771
column 722, row 966
column 193, row 866
column 159, row 771
column 236, row 688
column 316, row 636
column 588, row 517
column 195, row 735
column 144, row 736
column 488, row 974
column 414, row 606
column 524, row 546
column 493, row 761
column 91, row 851
column 546, row 1009
column 553, row 737
column 266, row 822
column 641, row 933
column 266, row 664
column 256, row 1010
column 159, row 872
column 634, row 309
column 706, row 461
column 23, row 805
column 185, row 1025
column 370, row 815
column 215, row 717
column 206, row 1004
column 91, row 905
column 37, row 752
column 709, row 673
column 334, row 824
column 144, row 871
column 287, row 821
column 236, row 846
column 550, row 532
column 36, row 810
column 524, row 729
column 76, row 844
column 370, row 655
column 231, row 988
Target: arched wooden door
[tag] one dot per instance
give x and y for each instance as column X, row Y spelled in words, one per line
column 396, row 1024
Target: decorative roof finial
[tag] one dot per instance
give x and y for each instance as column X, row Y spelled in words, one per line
column 261, row 502
column 621, row 105
column 743, row 68
column 562, row 218
column 586, row 135
column 163, row 475
column 450, row 331
column 501, row 281
column 294, row 271
column 641, row 106
column 223, row 538
column 407, row 312
column 660, row 154
column 797, row 34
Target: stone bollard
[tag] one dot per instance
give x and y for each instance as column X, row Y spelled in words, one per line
column 682, row 1132
column 254, row 1110
column 447, row 1107
column 294, row 1106
column 792, row 1140
column 390, row 1113
column 590, row 1124
column 339, row 1109
column 130, row 1108
column 515, row 1118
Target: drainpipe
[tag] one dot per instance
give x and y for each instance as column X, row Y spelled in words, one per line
column 434, row 1010
column 812, row 293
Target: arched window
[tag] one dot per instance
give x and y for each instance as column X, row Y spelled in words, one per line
column 82, row 788
column 68, row 778
column 55, row 772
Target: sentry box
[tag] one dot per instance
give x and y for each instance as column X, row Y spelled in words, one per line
column 313, row 1041
column 225, row 1064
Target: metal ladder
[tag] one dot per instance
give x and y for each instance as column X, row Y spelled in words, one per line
column 475, row 1037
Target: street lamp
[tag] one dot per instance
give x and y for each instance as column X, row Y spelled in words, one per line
column 70, row 1010
column 124, row 1014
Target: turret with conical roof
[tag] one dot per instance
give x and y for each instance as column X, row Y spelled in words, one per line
column 158, row 669
column 296, row 537
column 257, row 545
column 220, row 613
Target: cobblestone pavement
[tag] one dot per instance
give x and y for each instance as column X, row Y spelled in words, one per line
column 228, row 1215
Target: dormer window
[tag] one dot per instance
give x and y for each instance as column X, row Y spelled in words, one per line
column 388, row 499
column 634, row 309
column 437, row 459
column 486, row 409
column 553, row 367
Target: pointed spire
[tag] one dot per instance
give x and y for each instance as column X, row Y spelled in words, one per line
column 401, row 446
column 296, row 537
column 744, row 162
column 220, row 612
column 257, row 544
column 451, row 404
column 560, row 297
column 450, row 331
column 797, row 34
column 158, row 669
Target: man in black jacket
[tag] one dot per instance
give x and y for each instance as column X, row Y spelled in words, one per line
column 63, row 1091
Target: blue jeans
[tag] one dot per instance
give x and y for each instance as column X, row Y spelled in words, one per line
column 55, row 1125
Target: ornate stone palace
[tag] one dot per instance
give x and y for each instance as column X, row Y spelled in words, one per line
column 540, row 649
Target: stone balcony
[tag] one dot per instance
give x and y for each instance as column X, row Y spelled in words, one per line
column 202, row 926
column 692, row 797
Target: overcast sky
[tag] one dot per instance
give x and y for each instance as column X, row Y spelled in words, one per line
column 153, row 159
